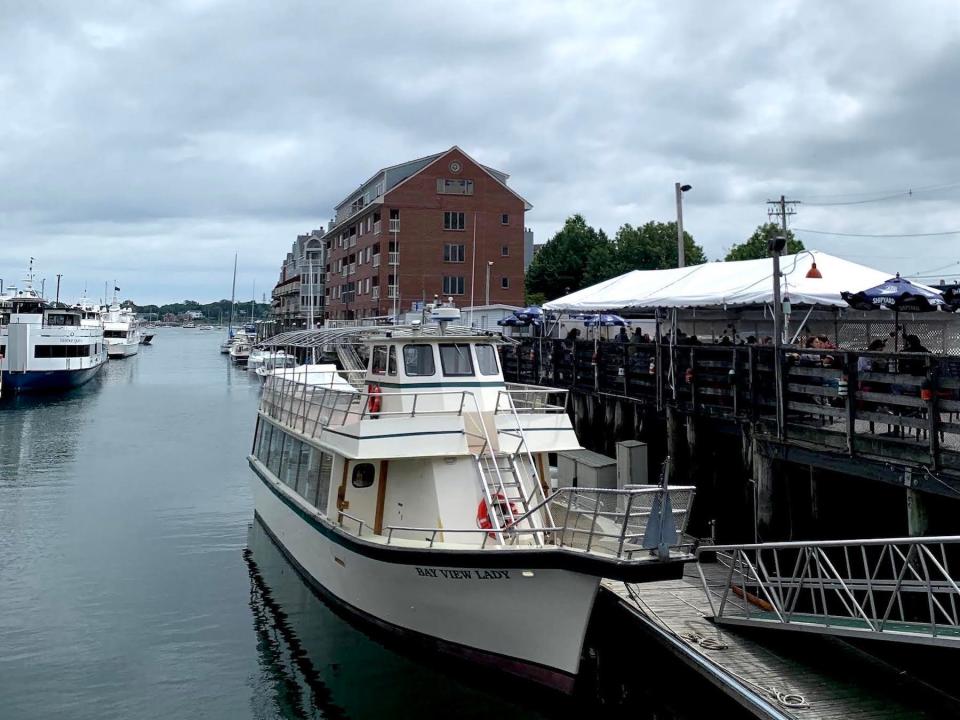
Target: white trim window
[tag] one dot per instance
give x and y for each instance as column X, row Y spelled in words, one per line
column 453, row 285
column 454, row 220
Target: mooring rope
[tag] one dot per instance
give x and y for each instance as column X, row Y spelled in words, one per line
column 789, row 700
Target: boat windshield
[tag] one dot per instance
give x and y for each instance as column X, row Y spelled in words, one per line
column 455, row 359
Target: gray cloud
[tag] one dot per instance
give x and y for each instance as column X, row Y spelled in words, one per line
column 146, row 142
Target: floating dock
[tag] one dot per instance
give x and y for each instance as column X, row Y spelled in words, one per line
column 774, row 674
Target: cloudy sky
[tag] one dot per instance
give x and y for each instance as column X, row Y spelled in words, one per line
column 145, row 142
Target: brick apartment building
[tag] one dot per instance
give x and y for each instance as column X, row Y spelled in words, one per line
column 432, row 226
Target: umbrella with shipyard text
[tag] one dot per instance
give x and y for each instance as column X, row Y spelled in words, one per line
column 897, row 294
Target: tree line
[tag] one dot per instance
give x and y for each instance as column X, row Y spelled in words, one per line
column 579, row 255
column 212, row 311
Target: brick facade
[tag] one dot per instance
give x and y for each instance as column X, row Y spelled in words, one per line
column 492, row 230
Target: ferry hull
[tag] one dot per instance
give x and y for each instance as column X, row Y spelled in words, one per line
column 528, row 622
column 41, row 380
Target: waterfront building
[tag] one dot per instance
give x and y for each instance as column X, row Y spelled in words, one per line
column 298, row 295
column 442, row 225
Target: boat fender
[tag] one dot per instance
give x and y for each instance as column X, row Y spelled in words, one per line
column 507, row 510
column 374, row 400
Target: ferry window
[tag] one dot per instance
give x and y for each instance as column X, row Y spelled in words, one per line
column 418, row 360
column 276, row 446
column 455, row 359
column 487, row 360
column 362, row 476
column 379, row 365
column 392, row 361
column 323, row 484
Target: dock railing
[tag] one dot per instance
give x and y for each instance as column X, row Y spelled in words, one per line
column 899, row 589
column 900, row 405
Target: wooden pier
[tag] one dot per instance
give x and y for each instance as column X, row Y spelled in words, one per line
column 773, row 674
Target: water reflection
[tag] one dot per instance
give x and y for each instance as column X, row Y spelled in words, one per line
column 314, row 663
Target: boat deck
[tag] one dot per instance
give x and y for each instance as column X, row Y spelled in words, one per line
column 775, row 674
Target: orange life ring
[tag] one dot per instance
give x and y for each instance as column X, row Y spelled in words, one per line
column 506, row 509
column 373, row 400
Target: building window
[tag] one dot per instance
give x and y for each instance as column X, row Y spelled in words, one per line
column 504, row 250
column 505, row 219
column 454, row 187
column 453, row 285
column 505, row 282
column 453, row 221
column 454, row 253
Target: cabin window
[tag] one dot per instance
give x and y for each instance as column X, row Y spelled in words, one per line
column 276, row 448
column 61, row 351
column 60, row 319
column 455, row 359
column 392, row 361
column 323, row 480
column 114, row 333
column 362, row 476
column 487, row 360
column 379, row 364
column 418, row 360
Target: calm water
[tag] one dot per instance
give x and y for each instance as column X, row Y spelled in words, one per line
column 134, row 583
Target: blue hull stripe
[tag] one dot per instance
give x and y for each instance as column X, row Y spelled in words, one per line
column 38, row 380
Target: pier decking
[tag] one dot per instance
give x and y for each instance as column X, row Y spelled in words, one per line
column 774, row 675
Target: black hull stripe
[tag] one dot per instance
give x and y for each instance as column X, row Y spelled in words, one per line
column 542, row 674
column 535, row 559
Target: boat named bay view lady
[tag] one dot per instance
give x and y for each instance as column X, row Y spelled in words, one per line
column 418, row 496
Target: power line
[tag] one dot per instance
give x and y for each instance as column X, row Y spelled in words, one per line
column 883, row 195
column 869, row 235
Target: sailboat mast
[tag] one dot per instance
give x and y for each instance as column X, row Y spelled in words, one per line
column 233, row 295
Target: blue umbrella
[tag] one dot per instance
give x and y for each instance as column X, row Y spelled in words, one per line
column 533, row 312
column 511, row 321
column 897, row 294
column 604, row 320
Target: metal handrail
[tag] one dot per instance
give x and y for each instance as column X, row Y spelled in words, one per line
column 904, row 592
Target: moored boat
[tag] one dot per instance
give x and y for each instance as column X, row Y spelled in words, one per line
column 45, row 346
column 121, row 330
column 423, row 502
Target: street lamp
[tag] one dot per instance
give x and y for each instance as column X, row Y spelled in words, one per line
column 489, row 267
column 680, row 190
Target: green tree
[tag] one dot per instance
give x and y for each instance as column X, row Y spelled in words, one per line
column 755, row 248
column 561, row 263
column 653, row 246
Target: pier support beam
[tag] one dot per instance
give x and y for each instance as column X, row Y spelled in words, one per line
column 763, row 493
column 917, row 520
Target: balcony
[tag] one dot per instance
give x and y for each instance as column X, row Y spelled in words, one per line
column 376, row 260
column 391, row 291
column 394, row 258
column 375, row 293
column 395, row 225
column 376, row 228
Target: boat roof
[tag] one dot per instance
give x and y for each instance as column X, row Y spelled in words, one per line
column 379, row 334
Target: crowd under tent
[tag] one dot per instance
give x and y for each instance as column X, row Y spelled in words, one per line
column 736, row 298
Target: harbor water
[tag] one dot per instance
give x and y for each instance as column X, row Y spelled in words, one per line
column 135, row 583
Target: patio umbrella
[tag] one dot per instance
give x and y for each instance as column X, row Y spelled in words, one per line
column 897, row 294
column 532, row 312
column 604, row 320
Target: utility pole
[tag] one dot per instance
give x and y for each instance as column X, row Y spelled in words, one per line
column 59, row 275
column 781, row 208
column 489, row 266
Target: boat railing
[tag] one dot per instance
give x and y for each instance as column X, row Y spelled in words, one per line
column 310, row 407
column 898, row 589
column 626, row 525
column 520, row 398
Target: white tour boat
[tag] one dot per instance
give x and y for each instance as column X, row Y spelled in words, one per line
column 422, row 503
column 240, row 349
column 46, row 346
column 121, row 330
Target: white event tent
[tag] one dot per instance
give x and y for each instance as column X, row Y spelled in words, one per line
column 721, row 284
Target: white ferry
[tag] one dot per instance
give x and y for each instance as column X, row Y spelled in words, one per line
column 45, row 346
column 121, row 330
column 421, row 500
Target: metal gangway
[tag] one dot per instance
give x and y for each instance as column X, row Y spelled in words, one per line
column 895, row 589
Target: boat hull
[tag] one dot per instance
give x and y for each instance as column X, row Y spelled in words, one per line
column 122, row 350
column 42, row 380
column 529, row 622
